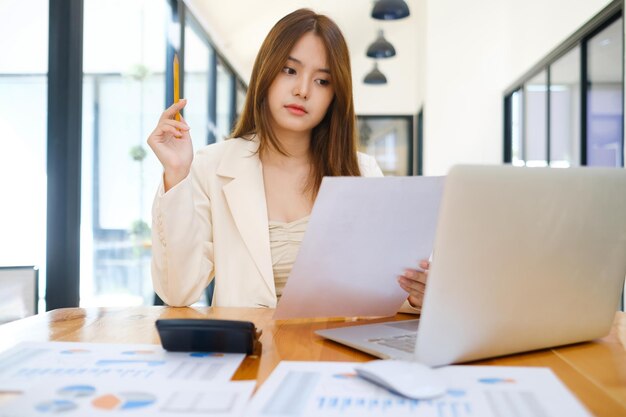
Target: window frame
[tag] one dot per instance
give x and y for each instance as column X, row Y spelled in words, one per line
column 581, row 37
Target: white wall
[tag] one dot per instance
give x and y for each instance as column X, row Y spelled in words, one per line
column 474, row 51
column 239, row 43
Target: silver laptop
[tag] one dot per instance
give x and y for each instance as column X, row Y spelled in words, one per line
column 524, row 259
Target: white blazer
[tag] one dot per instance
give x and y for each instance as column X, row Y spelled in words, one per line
column 214, row 223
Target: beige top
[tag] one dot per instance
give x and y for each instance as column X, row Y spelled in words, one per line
column 285, row 240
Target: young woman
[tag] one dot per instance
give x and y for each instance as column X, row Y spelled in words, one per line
column 237, row 211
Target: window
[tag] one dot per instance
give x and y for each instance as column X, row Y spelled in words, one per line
column 123, row 96
column 517, row 130
column 390, row 140
column 241, row 98
column 197, row 83
column 23, row 123
column 551, row 117
column 225, row 98
column 605, row 96
column 565, row 110
column 535, row 122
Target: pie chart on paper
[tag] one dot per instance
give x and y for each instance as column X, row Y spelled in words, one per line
column 123, row 401
column 56, row 406
column 77, row 391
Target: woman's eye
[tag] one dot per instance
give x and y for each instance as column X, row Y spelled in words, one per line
column 323, row 82
column 288, row 70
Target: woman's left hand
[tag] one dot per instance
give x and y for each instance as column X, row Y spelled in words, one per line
column 414, row 282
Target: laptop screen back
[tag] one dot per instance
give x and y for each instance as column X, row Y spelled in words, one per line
column 524, row 258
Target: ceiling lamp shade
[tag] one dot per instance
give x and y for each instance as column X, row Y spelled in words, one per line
column 381, row 48
column 375, row 76
column 390, row 10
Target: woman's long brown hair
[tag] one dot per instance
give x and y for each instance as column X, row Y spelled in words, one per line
column 333, row 142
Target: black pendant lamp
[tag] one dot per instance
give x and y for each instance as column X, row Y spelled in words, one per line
column 375, row 76
column 381, row 48
column 390, row 10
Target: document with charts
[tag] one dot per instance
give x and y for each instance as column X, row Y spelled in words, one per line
column 93, row 397
column 311, row 389
column 26, row 363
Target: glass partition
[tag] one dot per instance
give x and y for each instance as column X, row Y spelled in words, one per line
column 565, row 110
column 23, row 123
column 197, row 76
column 535, row 120
column 581, row 120
column 517, row 128
column 225, row 97
column 241, row 97
column 605, row 97
column 123, row 96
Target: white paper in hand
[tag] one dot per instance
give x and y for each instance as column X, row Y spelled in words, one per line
column 362, row 234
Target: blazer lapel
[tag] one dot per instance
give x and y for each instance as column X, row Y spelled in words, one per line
column 245, row 196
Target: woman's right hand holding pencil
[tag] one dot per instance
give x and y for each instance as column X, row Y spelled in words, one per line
column 171, row 143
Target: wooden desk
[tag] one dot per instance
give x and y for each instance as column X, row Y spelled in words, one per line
column 594, row 371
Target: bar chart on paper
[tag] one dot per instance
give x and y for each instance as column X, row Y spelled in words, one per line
column 302, row 393
column 25, row 364
column 310, row 389
column 379, row 406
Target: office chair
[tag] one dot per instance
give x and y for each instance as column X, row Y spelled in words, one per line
column 19, row 292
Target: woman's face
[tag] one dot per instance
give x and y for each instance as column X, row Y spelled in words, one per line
column 301, row 93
